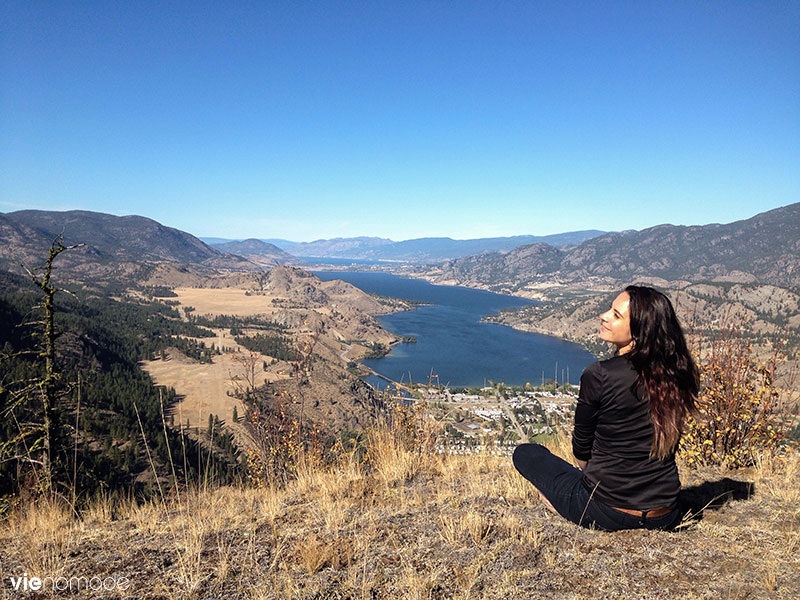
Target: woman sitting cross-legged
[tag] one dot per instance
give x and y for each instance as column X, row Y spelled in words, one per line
column 628, row 421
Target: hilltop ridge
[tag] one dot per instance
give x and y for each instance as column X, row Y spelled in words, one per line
column 122, row 249
column 417, row 250
column 762, row 249
column 412, row 525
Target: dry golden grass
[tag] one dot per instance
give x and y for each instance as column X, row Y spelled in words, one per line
column 204, row 388
column 225, row 301
column 49, row 533
column 777, row 474
column 429, row 526
column 392, row 461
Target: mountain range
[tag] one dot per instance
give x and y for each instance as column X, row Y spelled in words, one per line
column 258, row 251
column 762, row 249
column 107, row 235
column 422, row 250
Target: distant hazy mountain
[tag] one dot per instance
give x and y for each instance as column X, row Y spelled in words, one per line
column 282, row 244
column 764, row 249
column 415, row 250
column 428, row 249
column 215, row 240
column 437, row 249
column 256, row 248
column 357, row 247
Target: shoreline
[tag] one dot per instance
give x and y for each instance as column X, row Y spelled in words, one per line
column 538, row 296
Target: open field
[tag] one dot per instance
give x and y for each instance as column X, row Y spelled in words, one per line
column 204, row 387
column 335, row 315
column 225, row 301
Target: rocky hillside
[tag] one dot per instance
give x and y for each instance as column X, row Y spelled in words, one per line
column 112, row 246
column 762, row 249
column 331, row 321
column 115, row 237
column 769, row 313
column 299, row 286
column 500, row 271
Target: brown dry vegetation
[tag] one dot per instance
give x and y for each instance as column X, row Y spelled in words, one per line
column 397, row 521
column 407, row 524
column 203, row 388
column 335, row 312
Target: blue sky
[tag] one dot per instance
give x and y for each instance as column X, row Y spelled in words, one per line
column 306, row 120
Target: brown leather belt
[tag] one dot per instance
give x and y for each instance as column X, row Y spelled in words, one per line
column 650, row 513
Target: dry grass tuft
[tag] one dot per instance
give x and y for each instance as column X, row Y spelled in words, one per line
column 780, row 474
column 48, row 532
column 393, row 461
column 315, row 553
column 561, row 446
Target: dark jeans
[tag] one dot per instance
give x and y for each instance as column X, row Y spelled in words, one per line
column 561, row 483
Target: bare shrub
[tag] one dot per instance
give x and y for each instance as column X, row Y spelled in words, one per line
column 742, row 412
column 244, row 382
column 281, row 443
column 315, row 553
column 277, row 442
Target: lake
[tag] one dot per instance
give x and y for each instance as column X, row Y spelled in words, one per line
column 454, row 343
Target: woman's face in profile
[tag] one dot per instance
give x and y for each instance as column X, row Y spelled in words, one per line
column 615, row 323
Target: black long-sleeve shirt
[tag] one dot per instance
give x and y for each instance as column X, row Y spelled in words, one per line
column 613, row 432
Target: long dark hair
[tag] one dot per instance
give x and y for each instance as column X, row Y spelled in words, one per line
column 665, row 367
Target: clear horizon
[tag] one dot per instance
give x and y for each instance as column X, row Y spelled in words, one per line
column 317, row 239
column 305, row 121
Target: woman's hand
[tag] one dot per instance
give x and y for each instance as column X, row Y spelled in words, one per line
column 581, row 464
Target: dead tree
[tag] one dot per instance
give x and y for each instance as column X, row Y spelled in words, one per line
column 48, row 384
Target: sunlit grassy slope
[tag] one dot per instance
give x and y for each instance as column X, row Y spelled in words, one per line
column 410, row 525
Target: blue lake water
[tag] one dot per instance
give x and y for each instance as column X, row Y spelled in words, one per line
column 455, row 344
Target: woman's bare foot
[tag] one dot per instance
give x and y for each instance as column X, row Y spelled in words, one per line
column 547, row 504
